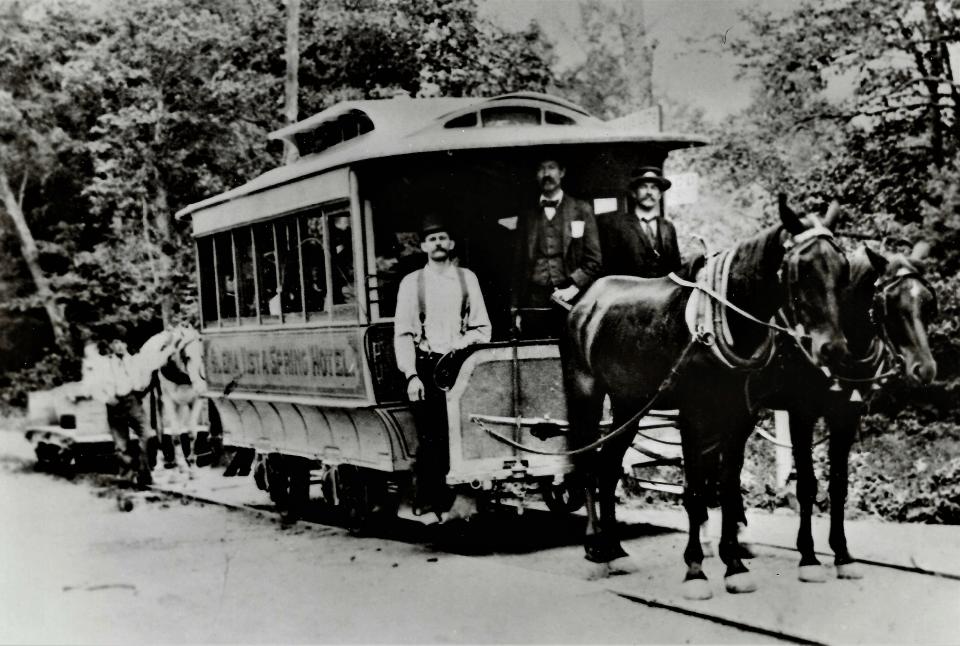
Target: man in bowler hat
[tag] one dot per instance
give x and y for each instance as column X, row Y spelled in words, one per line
column 641, row 241
column 439, row 309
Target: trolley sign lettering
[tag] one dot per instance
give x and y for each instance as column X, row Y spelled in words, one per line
column 310, row 362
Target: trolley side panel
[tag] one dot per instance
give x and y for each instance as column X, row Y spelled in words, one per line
column 485, row 386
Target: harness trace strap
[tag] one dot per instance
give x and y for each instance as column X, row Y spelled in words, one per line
column 422, row 302
column 626, row 427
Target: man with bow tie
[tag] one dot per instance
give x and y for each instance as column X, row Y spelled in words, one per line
column 640, row 242
column 557, row 256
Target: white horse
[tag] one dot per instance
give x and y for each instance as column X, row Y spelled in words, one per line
column 176, row 356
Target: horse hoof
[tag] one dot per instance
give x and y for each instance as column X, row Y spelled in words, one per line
column 812, row 574
column 598, row 571
column 622, row 565
column 697, row 590
column 708, row 551
column 849, row 571
column 740, row 583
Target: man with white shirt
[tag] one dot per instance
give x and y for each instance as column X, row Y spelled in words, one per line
column 557, row 255
column 439, row 309
column 120, row 381
column 640, row 242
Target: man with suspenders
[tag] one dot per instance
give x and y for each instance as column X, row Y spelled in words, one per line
column 439, row 309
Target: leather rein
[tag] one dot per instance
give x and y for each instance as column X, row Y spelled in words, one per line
column 715, row 334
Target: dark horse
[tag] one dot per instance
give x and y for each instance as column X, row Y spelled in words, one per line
column 884, row 312
column 627, row 338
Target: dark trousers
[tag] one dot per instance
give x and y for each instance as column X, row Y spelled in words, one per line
column 433, row 446
column 130, row 428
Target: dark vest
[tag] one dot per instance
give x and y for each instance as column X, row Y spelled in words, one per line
column 547, row 265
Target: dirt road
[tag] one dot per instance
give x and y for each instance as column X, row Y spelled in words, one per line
column 75, row 569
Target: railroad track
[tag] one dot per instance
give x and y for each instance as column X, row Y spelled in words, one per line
column 873, row 609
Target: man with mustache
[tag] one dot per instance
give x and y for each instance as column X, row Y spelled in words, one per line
column 557, row 255
column 439, row 309
column 640, row 242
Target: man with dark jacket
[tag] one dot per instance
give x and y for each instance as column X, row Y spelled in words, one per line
column 557, row 255
column 640, row 242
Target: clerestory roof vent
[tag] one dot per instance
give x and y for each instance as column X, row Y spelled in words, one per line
column 327, row 134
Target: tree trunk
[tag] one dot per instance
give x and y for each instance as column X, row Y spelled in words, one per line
column 31, row 256
column 291, row 84
column 161, row 208
column 936, row 70
column 637, row 54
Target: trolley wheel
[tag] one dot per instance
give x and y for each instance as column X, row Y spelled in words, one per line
column 288, row 483
column 564, row 498
column 260, row 474
column 355, row 498
column 277, row 480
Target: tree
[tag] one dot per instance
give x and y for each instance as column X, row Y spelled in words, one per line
column 111, row 120
column 38, row 138
column 616, row 77
column 859, row 100
column 291, row 83
column 898, row 120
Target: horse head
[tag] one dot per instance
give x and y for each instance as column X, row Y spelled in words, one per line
column 904, row 304
column 187, row 355
column 813, row 272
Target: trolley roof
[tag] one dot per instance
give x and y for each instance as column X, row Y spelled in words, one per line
column 355, row 131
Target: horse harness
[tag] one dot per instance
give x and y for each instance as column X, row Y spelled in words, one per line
column 706, row 314
column 174, row 371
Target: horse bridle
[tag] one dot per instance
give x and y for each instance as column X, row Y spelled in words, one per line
column 180, row 344
column 879, row 311
column 791, row 267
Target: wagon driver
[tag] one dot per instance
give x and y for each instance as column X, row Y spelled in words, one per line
column 439, row 309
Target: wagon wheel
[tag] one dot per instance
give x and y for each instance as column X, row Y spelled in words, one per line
column 564, row 498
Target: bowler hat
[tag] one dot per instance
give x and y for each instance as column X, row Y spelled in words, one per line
column 431, row 222
column 649, row 174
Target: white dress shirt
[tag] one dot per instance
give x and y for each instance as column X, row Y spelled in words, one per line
column 442, row 300
column 648, row 221
column 551, row 211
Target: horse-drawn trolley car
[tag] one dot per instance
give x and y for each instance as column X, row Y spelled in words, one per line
column 298, row 272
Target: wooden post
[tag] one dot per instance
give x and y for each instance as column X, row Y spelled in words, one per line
column 292, row 80
column 784, row 457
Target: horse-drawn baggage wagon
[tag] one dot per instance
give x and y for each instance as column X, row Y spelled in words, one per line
column 64, row 424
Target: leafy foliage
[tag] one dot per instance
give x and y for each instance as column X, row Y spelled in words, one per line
column 113, row 118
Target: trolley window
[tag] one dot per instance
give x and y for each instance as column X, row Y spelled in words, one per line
column 343, row 290
column 295, row 269
column 247, row 286
column 268, row 278
column 290, row 299
column 314, row 260
column 208, row 283
column 226, row 277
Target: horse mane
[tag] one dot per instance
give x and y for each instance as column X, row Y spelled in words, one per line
column 761, row 253
column 898, row 261
column 753, row 278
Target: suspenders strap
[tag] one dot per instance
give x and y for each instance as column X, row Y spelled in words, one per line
column 422, row 301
